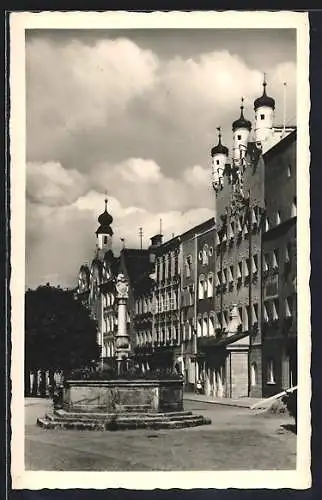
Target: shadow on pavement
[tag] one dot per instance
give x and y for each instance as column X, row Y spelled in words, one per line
column 290, row 427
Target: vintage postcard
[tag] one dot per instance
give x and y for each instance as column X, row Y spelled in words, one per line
column 160, row 250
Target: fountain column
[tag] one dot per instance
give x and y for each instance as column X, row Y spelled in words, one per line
column 122, row 338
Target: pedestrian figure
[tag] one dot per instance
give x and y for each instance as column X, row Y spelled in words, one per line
column 199, row 387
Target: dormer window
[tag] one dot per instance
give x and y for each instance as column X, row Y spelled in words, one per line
column 105, row 240
column 278, row 217
column 262, row 117
column 239, row 137
column 217, row 162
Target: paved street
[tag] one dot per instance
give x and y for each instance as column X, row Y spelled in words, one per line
column 237, row 439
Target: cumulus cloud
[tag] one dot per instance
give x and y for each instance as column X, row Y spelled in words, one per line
column 51, row 184
column 61, row 238
column 75, row 87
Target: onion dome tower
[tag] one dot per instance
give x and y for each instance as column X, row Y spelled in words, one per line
column 104, row 232
column 219, row 155
column 264, row 107
column 241, row 130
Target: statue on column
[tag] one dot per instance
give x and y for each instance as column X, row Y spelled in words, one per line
column 122, row 338
column 122, row 287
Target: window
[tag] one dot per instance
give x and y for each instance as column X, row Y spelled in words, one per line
column 262, row 117
column 224, row 276
column 201, row 293
column 265, row 262
column 205, row 326
column 239, row 224
column 275, row 259
column 211, row 331
column 105, row 240
column 266, row 226
column 217, row 162
column 254, row 263
column 246, row 268
column 245, row 231
column 275, row 310
column 188, row 266
column 225, row 319
column 239, row 137
column 278, row 217
column 231, row 231
column 231, row 274
column 239, row 270
column 161, row 269
column 205, row 259
column 199, row 327
column 217, row 322
column 190, row 329
column 245, row 318
column 270, row 371
column 255, row 313
column 289, row 171
column 210, row 288
column 253, row 374
column 288, row 307
column 265, row 313
column 200, row 255
column 211, row 251
column 190, row 295
column 288, row 253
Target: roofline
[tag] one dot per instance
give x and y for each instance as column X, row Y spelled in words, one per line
column 207, row 224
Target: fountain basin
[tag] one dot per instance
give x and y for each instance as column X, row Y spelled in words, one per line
column 119, row 396
column 122, row 404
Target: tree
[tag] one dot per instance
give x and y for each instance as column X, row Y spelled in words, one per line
column 59, row 332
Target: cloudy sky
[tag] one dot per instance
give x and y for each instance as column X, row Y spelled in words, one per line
column 134, row 112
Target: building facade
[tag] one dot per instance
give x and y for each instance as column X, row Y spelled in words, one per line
column 279, row 319
column 219, row 301
column 167, row 304
column 197, row 249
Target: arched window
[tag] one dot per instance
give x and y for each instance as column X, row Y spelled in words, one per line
column 205, row 326
column 201, row 291
column 205, row 258
column 253, row 374
column 199, row 327
column 270, row 371
column 211, row 325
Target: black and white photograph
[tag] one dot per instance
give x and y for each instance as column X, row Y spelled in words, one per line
column 160, row 250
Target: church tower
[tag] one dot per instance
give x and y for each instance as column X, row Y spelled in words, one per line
column 219, row 155
column 264, row 107
column 241, row 131
column 104, row 232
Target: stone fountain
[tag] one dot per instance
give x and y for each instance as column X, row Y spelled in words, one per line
column 122, row 402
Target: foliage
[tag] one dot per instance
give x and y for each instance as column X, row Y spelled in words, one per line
column 290, row 400
column 59, row 332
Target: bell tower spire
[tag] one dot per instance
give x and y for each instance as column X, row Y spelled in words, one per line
column 104, row 232
column 264, row 107
column 219, row 155
column 241, row 131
